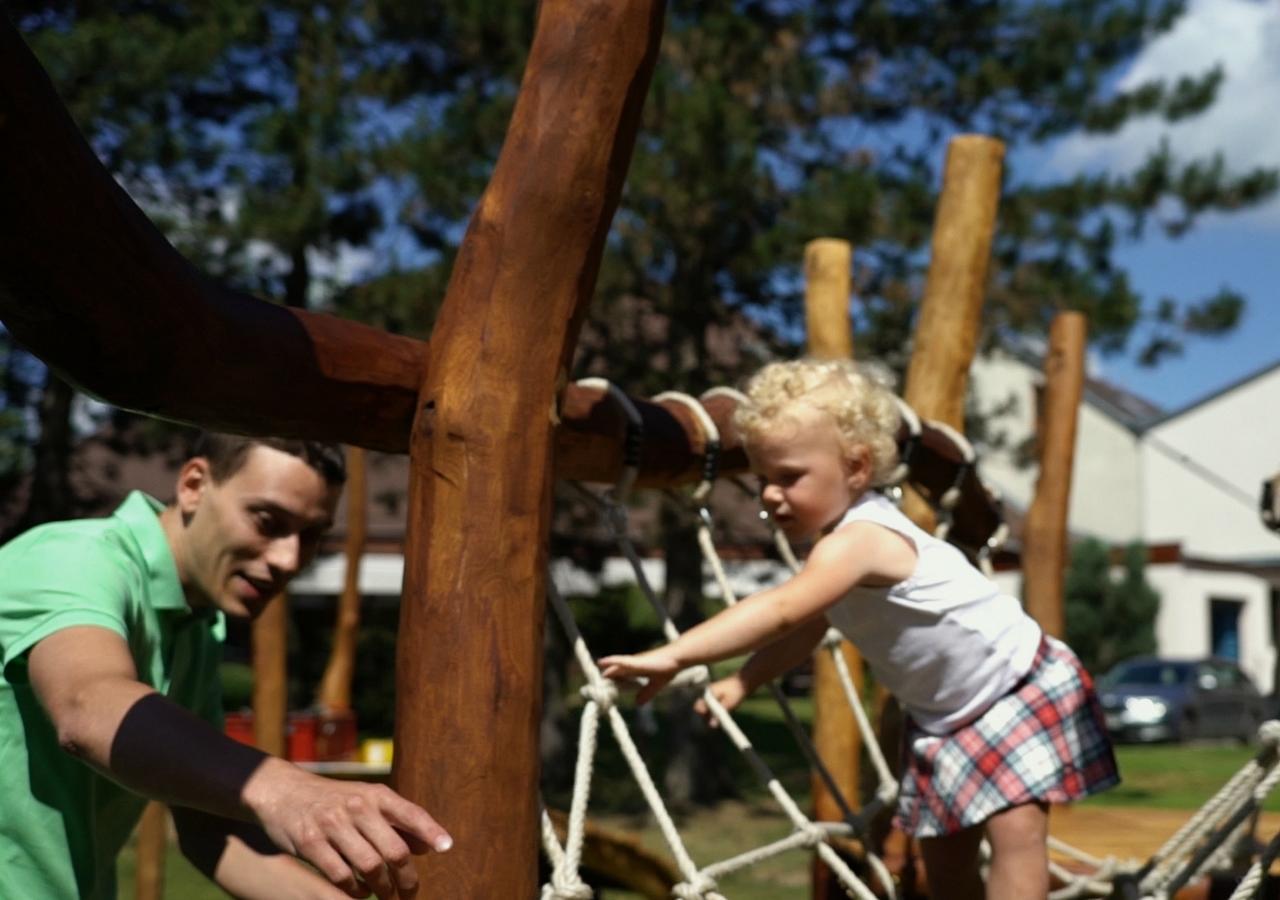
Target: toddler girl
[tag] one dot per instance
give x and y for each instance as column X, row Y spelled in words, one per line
column 1002, row 719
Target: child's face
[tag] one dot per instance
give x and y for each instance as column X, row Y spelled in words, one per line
column 808, row 478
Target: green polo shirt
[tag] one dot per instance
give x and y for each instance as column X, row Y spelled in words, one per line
column 61, row 823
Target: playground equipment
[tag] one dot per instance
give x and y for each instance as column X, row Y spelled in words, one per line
column 91, row 287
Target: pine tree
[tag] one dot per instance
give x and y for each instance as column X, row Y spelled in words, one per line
column 1107, row 619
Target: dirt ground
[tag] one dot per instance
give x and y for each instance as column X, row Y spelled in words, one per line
column 1129, row 833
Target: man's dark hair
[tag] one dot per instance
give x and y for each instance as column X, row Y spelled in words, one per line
column 227, row 452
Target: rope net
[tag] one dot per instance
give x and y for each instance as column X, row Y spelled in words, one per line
column 1210, row 840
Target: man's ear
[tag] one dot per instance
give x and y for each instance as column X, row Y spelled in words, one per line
column 193, row 479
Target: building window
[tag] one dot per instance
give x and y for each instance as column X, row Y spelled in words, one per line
column 1224, row 627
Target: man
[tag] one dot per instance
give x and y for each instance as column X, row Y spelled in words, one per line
column 109, row 641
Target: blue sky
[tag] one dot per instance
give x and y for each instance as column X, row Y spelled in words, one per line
column 1240, row 251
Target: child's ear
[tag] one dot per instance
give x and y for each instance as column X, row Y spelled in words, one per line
column 858, row 468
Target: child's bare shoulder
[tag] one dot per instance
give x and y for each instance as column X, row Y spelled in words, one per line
column 888, row 554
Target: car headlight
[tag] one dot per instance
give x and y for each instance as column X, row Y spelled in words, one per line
column 1145, row 710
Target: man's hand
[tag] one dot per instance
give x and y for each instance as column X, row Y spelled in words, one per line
column 729, row 692
column 362, row 837
column 655, row 666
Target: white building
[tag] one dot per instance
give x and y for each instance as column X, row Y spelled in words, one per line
column 1186, row 485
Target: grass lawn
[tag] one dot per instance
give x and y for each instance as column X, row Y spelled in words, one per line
column 1161, row 776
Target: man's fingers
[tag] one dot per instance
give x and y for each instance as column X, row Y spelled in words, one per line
column 395, row 854
column 317, row 850
column 413, row 820
column 367, row 862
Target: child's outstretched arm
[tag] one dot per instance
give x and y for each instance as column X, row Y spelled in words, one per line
column 838, row 562
column 765, row 664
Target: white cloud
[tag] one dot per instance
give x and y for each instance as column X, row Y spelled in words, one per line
column 1243, row 36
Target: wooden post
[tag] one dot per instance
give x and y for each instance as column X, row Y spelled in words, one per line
column 946, row 334
column 946, row 337
column 270, row 689
column 334, row 694
column 153, row 843
column 828, row 274
column 828, row 264
column 469, row 652
column 1044, row 553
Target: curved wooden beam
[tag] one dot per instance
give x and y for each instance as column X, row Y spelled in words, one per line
column 91, row 287
column 469, row 651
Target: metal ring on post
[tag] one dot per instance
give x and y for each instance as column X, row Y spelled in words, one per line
column 633, row 438
column 907, row 448
column 968, row 457
column 711, row 438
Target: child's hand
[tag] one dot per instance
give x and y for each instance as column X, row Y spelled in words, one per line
column 729, row 691
column 655, row 666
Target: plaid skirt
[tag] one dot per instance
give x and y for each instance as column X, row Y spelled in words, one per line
column 1045, row 740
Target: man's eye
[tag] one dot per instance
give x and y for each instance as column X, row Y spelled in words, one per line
column 266, row 522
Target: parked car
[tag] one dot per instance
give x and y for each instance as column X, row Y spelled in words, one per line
column 1152, row 698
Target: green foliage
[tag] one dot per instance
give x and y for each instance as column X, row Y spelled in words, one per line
column 1109, row 620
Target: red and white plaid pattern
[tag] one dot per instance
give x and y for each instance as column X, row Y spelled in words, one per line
column 1045, row 740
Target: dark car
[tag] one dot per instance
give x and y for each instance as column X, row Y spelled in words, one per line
column 1159, row 699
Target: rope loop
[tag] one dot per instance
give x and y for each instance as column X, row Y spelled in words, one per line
column 603, row 693
column 693, row 678
column 813, row 834
column 832, row 639
column 566, row 886
column 700, row 887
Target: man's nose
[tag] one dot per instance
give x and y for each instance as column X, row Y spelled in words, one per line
column 772, row 494
column 284, row 554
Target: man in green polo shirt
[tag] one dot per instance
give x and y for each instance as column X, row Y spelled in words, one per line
column 110, row 637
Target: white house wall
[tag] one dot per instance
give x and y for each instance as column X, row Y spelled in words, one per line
column 1106, row 495
column 1203, row 472
column 1183, row 625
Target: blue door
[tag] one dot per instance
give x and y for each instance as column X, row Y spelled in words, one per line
column 1224, row 628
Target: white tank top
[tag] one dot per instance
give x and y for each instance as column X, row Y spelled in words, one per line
column 946, row 642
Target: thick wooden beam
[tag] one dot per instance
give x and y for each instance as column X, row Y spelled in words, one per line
column 1044, row 552
column 828, row 267
column 91, row 287
column 469, row 655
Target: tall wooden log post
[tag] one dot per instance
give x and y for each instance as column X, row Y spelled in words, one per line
column 153, row 845
column 946, row 335
column 469, row 653
column 334, row 694
column 270, row 639
column 828, row 267
column 1044, row 553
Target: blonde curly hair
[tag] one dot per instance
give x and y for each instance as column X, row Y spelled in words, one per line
column 857, row 398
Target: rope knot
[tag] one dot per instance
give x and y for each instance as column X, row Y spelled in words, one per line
column 1269, row 733
column 566, row 886
column 700, row 887
column 832, row 639
column 603, row 693
column 693, row 678
column 813, row 834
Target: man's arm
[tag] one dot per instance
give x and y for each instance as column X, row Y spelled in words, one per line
column 240, row 858
column 351, row 832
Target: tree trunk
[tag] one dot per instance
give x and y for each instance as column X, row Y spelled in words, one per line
column 50, row 497
column 692, row 775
